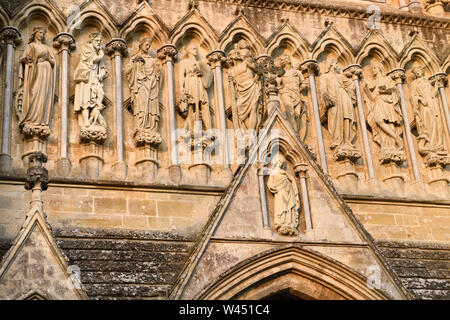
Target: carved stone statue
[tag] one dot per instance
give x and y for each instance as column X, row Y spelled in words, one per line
column 287, row 199
column 384, row 116
column 337, row 95
column 36, row 92
column 246, row 95
column 196, row 77
column 425, row 101
column 292, row 102
column 143, row 77
column 89, row 92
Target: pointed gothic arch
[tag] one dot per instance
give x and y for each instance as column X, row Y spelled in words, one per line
column 418, row 50
column 305, row 273
column 288, row 37
column 148, row 21
column 333, row 42
column 94, row 14
column 195, row 26
column 52, row 17
column 375, row 45
column 241, row 28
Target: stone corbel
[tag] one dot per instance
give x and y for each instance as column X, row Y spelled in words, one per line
column 269, row 73
column 117, row 48
column 12, row 37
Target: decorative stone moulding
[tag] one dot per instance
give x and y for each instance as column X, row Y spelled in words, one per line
column 95, row 134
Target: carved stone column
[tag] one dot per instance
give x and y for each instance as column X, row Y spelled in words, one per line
column 117, row 48
column 216, row 59
column 310, row 69
column 355, row 72
column 435, row 7
column 168, row 54
column 65, row 43
column 441, row 81
column 262, row 172
column 438, row 163
column 301, row 171
column 11, row 36
column 37, row 179
column 398, row 75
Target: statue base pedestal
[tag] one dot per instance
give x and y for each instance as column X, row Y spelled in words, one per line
column 201, row 173
column 63, row 167
column 5, row 163
column 347, row 177
column 394, row 179
column 92, row 161
column 147, row 163
column 438, row 180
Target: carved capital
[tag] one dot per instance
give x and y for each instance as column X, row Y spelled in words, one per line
column 309, row 67
column 440, row 80
column 398, row 75
column 10, row 35
column 116, row 47
column 167, row 53
column 36, row 171
column 353, row 71
column 64, row 41
column 216, row 58
column 301, row 170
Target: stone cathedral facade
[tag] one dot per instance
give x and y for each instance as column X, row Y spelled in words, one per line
column 224, row 149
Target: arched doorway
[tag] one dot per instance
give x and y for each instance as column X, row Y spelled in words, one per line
column 291, row 273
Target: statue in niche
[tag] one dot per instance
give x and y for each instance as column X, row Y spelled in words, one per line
column 293, row 103
column 143, row 75
column 196, row 77
column 286, row 199
column 36, row 92
column 89, row 93
column 338, row 96
column 384, row 116
column 246, row 94
column 425, row 101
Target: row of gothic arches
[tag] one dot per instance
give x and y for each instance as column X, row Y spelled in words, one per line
column 194, row 27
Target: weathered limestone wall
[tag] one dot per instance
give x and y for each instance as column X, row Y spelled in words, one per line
column 110, row 208
column 417, row 211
